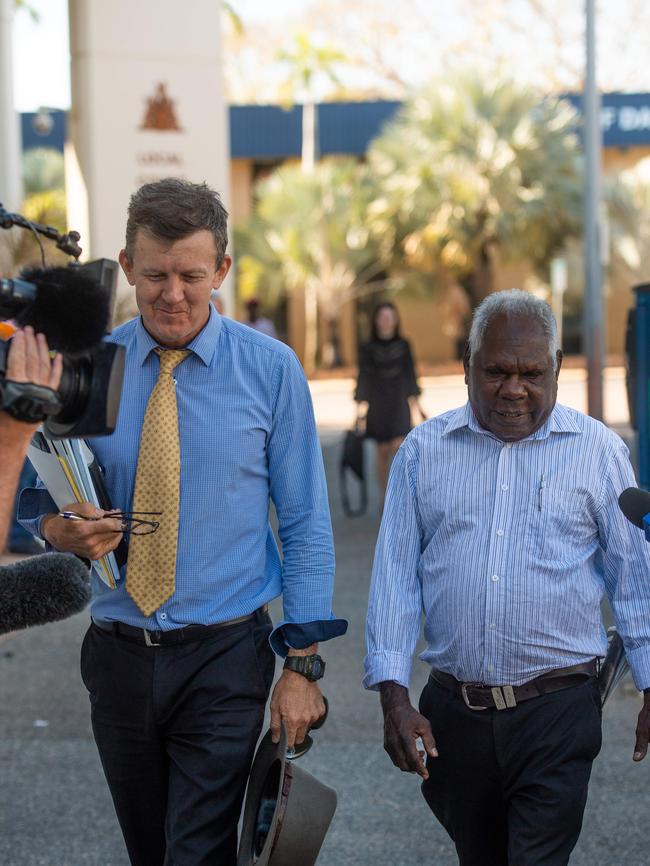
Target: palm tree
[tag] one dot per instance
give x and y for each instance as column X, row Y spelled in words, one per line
column 308, row 234
column 308, row 61
column 472, row 170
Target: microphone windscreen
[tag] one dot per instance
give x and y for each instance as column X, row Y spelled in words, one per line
column 70, row 308
column 42, row 589
column 634, row 504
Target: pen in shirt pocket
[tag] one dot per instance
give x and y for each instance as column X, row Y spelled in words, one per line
column 540, row 491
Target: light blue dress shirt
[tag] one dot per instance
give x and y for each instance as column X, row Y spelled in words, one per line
column 507, row 549
column 247, row 436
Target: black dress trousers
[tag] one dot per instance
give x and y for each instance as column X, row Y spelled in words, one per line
column 510, row 786
column 176, row 728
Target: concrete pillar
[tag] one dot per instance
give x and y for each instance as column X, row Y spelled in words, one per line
column 11, row 186
column 147, row 103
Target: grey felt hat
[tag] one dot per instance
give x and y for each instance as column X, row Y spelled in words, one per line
column 287, row 811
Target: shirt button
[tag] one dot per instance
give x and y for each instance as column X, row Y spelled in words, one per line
column 499, row 531
column 508, row 444
column 163, row 616
column 504, row 487
column 495, row 577
column 490, row 668
column 493, row 625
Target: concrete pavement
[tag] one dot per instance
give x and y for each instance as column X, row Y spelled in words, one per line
column 54, row 806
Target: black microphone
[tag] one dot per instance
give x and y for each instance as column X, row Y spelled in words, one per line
column 69, row 307
column 635, row 505
column 42, row 589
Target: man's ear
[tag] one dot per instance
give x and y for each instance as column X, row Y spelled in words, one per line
column 222, row 271
column 466, row 361
column 559, row 356
column 127, row 267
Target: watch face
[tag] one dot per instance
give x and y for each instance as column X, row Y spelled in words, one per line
column 312, row 667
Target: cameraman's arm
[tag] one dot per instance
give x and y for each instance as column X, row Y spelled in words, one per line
column 28, row 360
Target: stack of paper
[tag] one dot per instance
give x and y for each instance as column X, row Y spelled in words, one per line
column 65, row 466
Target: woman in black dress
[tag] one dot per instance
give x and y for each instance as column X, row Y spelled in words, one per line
column 387, row 388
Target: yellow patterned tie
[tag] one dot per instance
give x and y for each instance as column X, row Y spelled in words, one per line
column 151, row 565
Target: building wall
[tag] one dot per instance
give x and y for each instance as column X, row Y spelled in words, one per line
column 241, row 190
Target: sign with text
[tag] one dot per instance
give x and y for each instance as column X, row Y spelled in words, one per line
column 147, row 103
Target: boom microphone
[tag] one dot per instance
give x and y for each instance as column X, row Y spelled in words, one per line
column 66, row 304
column 635, row 505
column 42, row 589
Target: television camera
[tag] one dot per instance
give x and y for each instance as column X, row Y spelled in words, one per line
column 72, row 306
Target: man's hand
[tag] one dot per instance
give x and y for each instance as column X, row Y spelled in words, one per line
column 91, row 539
column 29, row 360
column 296, row 702
column 643, row 729
column 403, row 725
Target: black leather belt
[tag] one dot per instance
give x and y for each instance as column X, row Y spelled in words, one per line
column 478, row 696
column 156, row 637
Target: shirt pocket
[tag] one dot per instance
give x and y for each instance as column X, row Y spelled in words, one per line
column 560, row 526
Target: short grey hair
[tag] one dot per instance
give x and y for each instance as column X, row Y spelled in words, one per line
column 513, row 303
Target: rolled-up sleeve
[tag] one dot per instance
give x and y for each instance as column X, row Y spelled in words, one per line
column 395, row 603
column 626, row 560
column 299, row 492
column 34, row 503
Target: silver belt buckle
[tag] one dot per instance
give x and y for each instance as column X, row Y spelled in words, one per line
column 503, row 696
column 463, row 691
column 147, row 638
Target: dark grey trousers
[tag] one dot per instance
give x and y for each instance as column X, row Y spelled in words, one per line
column 510, row 786
column 176, row 728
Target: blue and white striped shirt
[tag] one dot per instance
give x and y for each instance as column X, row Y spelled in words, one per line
column 247, row 435
column 507, row 548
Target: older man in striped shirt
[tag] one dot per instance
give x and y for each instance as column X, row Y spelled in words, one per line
column 502, row 526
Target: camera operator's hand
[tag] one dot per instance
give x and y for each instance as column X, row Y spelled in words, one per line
column 91, row 538
column 29, row 360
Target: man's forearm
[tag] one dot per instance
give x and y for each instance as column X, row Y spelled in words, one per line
column 14, row 441
column 308, row 651
column 392, row 695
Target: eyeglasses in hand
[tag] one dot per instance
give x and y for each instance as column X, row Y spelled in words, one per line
column 133, row 522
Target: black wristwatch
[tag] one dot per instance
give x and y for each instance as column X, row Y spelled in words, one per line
column 311, row 667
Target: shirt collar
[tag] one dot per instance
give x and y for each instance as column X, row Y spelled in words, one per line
column 561, row 420
column 203, row 345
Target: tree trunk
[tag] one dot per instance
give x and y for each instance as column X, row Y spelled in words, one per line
column 311, row 328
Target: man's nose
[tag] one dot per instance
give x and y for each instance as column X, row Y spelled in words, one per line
column 513, row 388
column 173, row 290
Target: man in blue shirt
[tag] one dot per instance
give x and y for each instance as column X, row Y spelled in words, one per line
column 502, row 526
column 178, row 688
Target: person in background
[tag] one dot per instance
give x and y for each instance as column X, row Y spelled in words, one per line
column 387, row 390
column 257, row 322
column 217, row 301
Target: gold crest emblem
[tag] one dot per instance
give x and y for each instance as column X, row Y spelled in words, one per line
column 160, row 113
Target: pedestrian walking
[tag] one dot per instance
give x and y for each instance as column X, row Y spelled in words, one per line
column 387, row 391
column 259, row 323
column 215, row 422
column 502, row 527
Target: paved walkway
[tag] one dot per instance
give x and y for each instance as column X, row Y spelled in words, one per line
column 335, row 408
column 54, row 806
